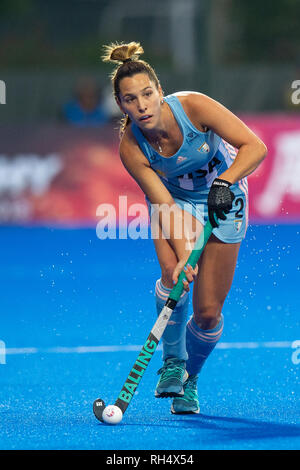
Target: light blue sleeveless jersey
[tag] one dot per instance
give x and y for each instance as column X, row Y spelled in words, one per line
column 200, row 159
column 189, row 173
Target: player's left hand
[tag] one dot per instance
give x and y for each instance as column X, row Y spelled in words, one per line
column 219, row 201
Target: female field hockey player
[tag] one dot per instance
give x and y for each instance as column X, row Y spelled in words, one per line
column 189, row 154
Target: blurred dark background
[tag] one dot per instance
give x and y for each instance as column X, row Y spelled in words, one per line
column 244, row 54
column 59, row 124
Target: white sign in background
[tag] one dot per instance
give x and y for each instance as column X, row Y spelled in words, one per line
column 2, row 92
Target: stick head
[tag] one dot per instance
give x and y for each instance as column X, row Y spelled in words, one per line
column 98, row 407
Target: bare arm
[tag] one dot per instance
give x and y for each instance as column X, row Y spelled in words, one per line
column 139, row 168
column 209, row 113
column 170, row 215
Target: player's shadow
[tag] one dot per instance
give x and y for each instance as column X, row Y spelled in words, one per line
column 238, row 428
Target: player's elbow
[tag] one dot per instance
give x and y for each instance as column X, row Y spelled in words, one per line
column 258, row 150
column 261, row 150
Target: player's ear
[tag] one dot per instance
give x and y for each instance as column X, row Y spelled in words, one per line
column 160, row 91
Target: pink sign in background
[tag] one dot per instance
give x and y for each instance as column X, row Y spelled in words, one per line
column 274, row 188
column 60, row 175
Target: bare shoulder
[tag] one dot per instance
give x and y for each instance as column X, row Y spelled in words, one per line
column 194, row 99
column 127, row 141
column 130, row 152
column 196, row 106
column 207, row 113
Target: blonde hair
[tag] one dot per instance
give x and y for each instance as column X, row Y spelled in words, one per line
column 129, row 64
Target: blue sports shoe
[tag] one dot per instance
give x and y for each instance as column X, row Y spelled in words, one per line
column 189, row 403
column 173, row 375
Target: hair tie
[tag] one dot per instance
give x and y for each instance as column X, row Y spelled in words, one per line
column 127, row 60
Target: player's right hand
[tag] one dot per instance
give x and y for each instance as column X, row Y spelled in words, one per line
column 190, row 274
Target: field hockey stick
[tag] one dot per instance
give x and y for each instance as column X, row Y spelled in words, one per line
column 156, row 333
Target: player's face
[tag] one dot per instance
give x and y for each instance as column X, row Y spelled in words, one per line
column 141, row 100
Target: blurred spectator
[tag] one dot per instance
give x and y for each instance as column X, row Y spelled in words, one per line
column 86, row 108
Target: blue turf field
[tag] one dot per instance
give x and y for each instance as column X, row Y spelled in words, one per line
column 71, row 308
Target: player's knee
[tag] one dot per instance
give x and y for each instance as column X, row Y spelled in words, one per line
column 208, row 316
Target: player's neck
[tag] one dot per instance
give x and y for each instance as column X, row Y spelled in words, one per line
column 162, row 131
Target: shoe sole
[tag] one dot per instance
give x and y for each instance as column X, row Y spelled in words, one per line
column 169, row 394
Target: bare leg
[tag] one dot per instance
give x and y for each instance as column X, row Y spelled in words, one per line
column 216, row 270
column 174, row 337
column 165, row 253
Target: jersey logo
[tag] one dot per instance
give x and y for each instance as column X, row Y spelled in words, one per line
column 204, row 148
column 192, row 135
column 180, row 159
column 238, row 224
column 153, row 157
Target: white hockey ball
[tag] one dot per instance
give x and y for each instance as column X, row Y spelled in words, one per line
column 112, row 414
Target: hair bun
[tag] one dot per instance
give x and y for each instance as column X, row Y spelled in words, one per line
column 122, row 53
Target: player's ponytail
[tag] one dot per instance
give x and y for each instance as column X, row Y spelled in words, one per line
column 122, row 53
column 129, row 64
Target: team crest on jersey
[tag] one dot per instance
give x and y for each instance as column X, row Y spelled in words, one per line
column 204, row 148
column 180, row 159
column 238, row 224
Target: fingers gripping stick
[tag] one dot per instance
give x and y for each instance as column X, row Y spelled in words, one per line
column 193, row 260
